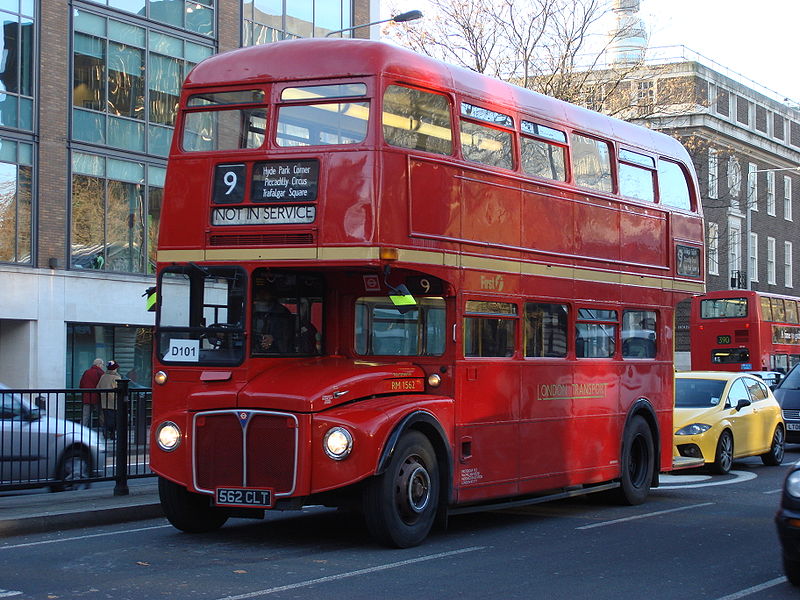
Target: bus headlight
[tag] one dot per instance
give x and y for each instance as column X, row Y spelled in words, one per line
column 338, row 443
column 168, row 436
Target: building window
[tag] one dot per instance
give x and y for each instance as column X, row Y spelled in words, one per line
column 18, row 64
column 771, row 261
column 734, row 181
column 753, row 275
column 712, row 248
column 787, row 264
column 787, row 197
column 645, row 98
column 115, row 214
column 273, row 20
column 131, row 347
column 713, row 173
column 752, row 186
column 16, row 173
column 126, row 83
column 771, row 193
column 196, row 16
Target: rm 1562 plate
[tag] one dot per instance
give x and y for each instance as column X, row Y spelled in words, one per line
column 248, row 497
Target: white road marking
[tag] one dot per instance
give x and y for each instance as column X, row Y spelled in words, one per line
column 756, row 588
column 739, row 477
column 645, row 516
column 375, row 569
column 778, row 491
column 81, row 537
column 9, row 593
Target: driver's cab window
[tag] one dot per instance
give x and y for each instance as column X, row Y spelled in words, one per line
column 737, row 392
column 286, row 314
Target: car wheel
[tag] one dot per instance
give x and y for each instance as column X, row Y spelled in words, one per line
column 73, row 471
column 723, row 458
column 792, row 570
column 187, row 511
column 400, row 504
column 775, row 455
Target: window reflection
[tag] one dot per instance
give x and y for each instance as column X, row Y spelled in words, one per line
column 15, row 212
column 114, row 217
column 16, row 47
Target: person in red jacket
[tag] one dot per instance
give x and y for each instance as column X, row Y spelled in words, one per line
column 91, row 400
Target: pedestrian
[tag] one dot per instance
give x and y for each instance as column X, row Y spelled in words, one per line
column 108, row 400
column 91, row 400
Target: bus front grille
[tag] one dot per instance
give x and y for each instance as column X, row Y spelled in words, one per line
column 245, row 448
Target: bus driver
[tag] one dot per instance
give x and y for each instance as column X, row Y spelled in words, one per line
column 272, row 323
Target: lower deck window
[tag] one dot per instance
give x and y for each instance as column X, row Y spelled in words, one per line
column 384, row 330
column 489, row 329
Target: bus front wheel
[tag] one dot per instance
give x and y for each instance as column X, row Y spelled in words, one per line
column 638, row 462
column 400, row 504
column 189, row 512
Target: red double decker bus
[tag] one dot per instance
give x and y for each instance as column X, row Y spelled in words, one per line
column 392, row 284
column 743, row 330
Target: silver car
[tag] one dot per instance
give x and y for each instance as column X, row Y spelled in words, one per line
column 37, row 448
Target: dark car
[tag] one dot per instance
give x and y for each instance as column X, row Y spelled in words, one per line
column 788, row 396
column 788, row 522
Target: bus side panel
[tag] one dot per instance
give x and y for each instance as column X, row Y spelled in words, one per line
column 487, row 429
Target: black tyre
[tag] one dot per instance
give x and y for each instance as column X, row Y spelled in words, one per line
column 400, row 505
column 638, row 462
column 73, row 471
column 187, row 511
column 723, row 458
column 775, row 455
column 792, row 570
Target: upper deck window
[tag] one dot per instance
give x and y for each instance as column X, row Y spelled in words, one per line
column 723, row 308
column 417, row 120
column 484, row 144
column 315, row 92
column 218, row 98
column 673, row 188
column 541, row 157
column 223, row 127
column 326, row 122
column 591, row 163
column 636, row 176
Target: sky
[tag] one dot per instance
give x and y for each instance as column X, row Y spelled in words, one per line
column 759, row 39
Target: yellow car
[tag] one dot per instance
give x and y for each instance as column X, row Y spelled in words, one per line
column 720, row 416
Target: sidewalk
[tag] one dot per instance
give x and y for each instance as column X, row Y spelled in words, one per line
column 25, row 513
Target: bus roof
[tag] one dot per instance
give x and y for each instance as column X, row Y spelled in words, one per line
column 318, row 58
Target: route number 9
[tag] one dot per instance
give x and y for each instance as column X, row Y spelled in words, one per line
column 230, row 179
column 229, row 184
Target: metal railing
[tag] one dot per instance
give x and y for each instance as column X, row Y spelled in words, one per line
column 44, row 444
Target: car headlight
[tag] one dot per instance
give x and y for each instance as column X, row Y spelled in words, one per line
column 338, row 443
column 168, row 436
column 792, row 484
column 693, row 429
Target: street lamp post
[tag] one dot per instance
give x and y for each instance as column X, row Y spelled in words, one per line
column 748, row 218
column 411, row 15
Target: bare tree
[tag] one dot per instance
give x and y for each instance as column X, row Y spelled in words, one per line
column 556, row 47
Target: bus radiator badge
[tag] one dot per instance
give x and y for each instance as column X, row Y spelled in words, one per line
column 244, row 417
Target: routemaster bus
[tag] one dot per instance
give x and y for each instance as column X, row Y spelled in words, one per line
column 744, row 330
column 393, row 285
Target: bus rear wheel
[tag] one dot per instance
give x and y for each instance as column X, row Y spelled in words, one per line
column 189, row 512
column 638, row 462
column 400, row 504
